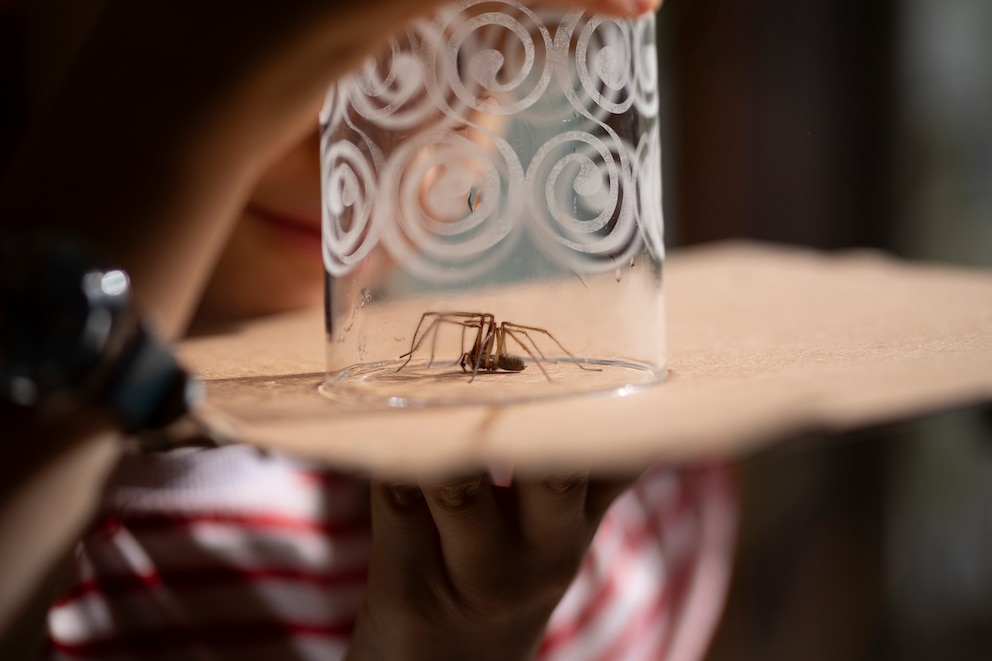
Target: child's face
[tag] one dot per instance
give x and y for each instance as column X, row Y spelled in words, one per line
column 273, row 260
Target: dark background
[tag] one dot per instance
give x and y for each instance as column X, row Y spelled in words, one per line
column 832, row 124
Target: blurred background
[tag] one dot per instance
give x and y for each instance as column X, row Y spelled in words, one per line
column 839, row 123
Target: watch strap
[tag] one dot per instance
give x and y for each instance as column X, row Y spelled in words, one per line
column 151, row 389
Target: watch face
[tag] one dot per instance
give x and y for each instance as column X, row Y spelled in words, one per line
column 56, row 316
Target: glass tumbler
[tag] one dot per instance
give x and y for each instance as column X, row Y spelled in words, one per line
column 492, row 224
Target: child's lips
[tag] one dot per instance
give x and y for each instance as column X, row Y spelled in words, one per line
column 300, row 229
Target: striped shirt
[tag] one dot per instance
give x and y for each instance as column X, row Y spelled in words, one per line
column 233, row 553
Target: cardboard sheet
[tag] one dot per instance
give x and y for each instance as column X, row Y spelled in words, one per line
column 765, row 343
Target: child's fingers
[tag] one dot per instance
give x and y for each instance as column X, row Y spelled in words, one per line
column 471, row 529
column 552, row 511
column 405, row 548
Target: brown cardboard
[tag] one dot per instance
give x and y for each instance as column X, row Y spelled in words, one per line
column 765, row 343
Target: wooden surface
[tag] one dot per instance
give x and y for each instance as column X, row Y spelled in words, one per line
column 765, row 343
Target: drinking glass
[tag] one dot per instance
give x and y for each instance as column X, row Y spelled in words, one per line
column 492, row 224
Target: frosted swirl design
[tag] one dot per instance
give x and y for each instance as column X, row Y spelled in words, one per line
column 492, row 124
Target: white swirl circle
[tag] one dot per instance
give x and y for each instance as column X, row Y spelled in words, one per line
column 605, row 62
column 580, row 189
column 498, row 51
column 393, row 89
column 455, row 204
column 349, row 191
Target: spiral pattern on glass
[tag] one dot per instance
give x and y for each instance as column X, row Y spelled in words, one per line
column 398, row 88
column 349, row 181
column 455, row 202
column 498, row 52
column 580, row 196
column 493, row 123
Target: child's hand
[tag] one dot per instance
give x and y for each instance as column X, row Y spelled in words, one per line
column 461, row 569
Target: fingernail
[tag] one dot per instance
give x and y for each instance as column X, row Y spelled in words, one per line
column 501, row 475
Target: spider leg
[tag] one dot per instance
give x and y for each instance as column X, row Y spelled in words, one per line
column 524, row 329
column 422, row 332
column 471, row 357
column 483, row 345
column 430, row 331
column 518, row 330
column 478, row 324
column 461, row 349
column 512, row 330
column 414, row 342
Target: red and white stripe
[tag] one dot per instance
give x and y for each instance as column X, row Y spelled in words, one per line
column 653, row 584
column 236, row 554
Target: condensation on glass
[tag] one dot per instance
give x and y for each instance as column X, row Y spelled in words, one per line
column 492, row 210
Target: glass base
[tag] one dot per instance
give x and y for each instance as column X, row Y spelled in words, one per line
column 419, row 384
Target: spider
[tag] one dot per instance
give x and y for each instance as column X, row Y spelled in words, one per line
column 488, row 351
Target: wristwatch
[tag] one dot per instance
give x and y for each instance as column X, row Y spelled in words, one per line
column 70, row 332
